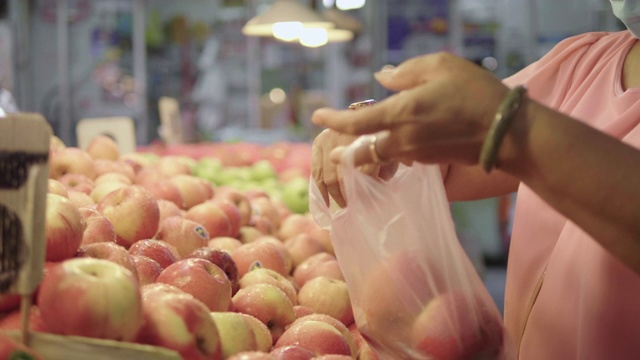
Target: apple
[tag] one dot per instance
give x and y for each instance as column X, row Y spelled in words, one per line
column 458, row 325
column 295, row 194
column 184, row 234
column 56, row 187
column 338, row 325
column 236, row 334
column 171, row 165
column 302, row 310
column 268, row 276
column 9, row 302
column 263, row 225
column 104, row 166
column 109, row 251
column 317, row 336
column 321, row 264
column 288, row 262
column 163, row 189
column 101, row 299
column 293, row 225
column 103, row 147
column 364, row 350
column 302, row 246
column 112, row 176
column 64, row 227
column 77, row 182
column 223, row 260
column 268, row 304
column 139, row 160
column 207, row 168
column 101, row 190
column 56, row 144
column 237, row 198
column 263, row 206
column 202, row 279
column 80, row 199
column 333, row 357
column 292, row 352
column 148, row 175
column 133, row 212
column 225, row 243
column 13, row 320
column 262, row 170
column 193, row 189
column 71, row 160
column 163, row 253
column 252, row 355
column 264, row 341
column 98, row 229
column 13, row 349
column 168, row 208
column 249, row 234
column 176, row 320
column 233, row 214
column 147, row 269
column 327, row 296
column 259, row 254
column 212, row 217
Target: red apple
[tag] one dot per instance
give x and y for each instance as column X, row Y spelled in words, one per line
column 147, row 269
column 104, row 166
column 101, row 299
column 166, row 190
column 223, row 260
column 112, row 176
column 99, row 227
column 171, row 165
column 212, row 217
column 168, row 208
column 101, row 190
column 163, row 253
column 80, row 199
column 321, row 264
column 183, row 234
column 237, row 198
column 259, row 254
column 317, row 336
column 268, row 276
column 457, row 325
column 194, row 190
column 302, row 246
column 327, row 296
column 103, row 147
column 56, row 187
column 338, row 325
column 176, row 320
column 236, row 334
column 71, row 160
column 293, row 225
column 109, row 251
column 268, row 304
column 302, row 310
column 252, row 355
column 264, row 341
column 292, row 352
column 77, row 182
column 264, row 207
column 63, row 228
column 233, row 214
column 225, row 243
column 202, row 279
column 249, row 234
column 133, row 212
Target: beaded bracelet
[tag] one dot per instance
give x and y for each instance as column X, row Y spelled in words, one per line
column 504, row 117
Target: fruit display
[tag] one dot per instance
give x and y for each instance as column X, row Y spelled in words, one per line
column 210, row 253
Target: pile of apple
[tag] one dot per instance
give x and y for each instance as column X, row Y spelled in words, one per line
column 162, row 250
column 139, row 249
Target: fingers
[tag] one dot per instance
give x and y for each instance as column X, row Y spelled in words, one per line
column 317, row 170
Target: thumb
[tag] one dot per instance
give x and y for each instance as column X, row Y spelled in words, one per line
column 408, row 74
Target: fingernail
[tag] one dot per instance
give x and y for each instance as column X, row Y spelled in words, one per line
column 336, row 154
column 387, row 68
column 385, row 72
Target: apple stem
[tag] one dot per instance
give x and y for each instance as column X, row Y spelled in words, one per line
column 25, row 311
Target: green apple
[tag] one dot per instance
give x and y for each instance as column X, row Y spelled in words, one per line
column 295, row 195
column 262, row 170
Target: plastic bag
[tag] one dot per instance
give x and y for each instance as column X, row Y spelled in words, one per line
column 414, row 292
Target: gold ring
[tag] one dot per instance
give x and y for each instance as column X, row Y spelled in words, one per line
column 372, row 150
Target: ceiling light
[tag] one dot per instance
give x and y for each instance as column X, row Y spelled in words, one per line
column 285, row 11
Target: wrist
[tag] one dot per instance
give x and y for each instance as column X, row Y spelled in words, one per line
column 513, row 155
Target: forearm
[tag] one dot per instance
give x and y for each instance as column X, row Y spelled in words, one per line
column 591, row 178
column 464, row 183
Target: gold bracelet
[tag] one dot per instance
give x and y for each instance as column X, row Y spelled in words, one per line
column 504, row 117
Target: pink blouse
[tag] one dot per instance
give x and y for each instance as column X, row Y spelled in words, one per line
column 566, row 297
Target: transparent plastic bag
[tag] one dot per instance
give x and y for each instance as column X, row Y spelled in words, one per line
column 414, row 291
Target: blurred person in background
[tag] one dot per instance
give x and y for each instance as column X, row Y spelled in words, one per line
column 572, row 152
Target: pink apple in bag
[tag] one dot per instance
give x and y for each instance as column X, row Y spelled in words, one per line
column 458, row 325
column 176, row 320
column 133, row 212
column 327, row 296
column 160, row 251
column 101, row 300
column 99, row 227
column 64, row 227
column 268, row 304
column 183, row 234
column 202, row 279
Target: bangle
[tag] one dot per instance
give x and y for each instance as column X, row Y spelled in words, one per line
column 504, row 117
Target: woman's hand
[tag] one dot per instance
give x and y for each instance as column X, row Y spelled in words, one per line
column 327, row 174
column 441, row 113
